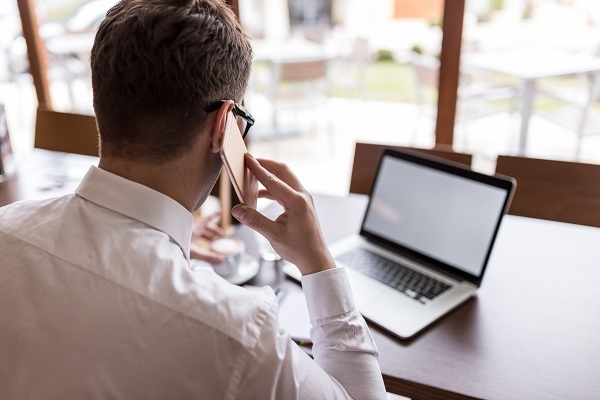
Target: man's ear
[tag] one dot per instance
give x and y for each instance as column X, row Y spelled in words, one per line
column 219, row 124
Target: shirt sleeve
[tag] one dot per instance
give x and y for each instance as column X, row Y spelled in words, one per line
column 345, row 356
column 342, row 343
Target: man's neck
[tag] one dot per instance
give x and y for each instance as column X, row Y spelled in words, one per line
column 174, row 178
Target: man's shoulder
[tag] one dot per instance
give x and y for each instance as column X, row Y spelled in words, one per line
column 25, row 205
column 23, row 211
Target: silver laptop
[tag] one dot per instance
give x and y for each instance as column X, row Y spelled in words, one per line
column 425, row 240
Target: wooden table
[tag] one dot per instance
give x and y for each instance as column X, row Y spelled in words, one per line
column 530, row 65
column 43, row 174
column 532, row 332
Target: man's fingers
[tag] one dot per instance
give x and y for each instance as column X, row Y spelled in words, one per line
column 283, row 172
column 254, row 220
column 278, row 189
column 262, row 193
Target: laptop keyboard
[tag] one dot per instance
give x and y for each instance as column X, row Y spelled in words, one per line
column 399, row 276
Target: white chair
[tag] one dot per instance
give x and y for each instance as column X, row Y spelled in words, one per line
column 575, row 109
column 476, row 97
column 298, row 89
column 348, row 71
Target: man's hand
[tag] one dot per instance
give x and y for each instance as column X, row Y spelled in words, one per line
column 205, row 228
column 295, row 234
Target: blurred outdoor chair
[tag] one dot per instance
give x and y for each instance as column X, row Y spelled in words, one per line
column 73, row 71
column 297, row 91
column 347, row 73
column 67, row 68
column 576, row 105
column 297, row 85
column 367, row 156
column 476, row 97
column 554, row 190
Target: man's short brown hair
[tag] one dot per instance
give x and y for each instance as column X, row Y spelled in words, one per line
column 156, row 64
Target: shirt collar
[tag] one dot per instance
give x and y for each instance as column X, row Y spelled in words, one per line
column 140, row 203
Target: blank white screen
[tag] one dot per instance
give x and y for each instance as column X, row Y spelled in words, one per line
column 446, row 217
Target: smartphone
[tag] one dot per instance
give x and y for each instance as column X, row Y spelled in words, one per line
column 232, row 153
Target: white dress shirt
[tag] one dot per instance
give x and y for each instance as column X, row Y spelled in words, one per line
column 97, row 300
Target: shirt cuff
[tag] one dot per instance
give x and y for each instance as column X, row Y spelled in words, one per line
column 328, row 293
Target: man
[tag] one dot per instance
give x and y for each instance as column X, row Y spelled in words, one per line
column 96, row 294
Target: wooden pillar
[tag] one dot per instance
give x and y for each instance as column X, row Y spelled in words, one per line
column 235, row 7
column 36, row 52
column 454, row 11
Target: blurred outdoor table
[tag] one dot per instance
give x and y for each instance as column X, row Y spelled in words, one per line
column 291, row 50
column 79, row 44
column 530, row 65
column 294, row 69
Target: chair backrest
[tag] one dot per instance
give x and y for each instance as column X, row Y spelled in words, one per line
column 426, row 72
column 554, row 190
column 427, row 69
column 66, row 132
column 367, row 156
column 360, row 50
column 298, row 71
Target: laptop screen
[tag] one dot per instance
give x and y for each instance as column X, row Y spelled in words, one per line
column 445, row 213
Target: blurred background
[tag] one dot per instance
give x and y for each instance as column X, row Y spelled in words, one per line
column 329, row 73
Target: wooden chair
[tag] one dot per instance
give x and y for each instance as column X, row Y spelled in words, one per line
column 554, row 190
column 66, row 132
column 367, row 155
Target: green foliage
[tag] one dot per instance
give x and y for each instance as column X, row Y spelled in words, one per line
column 435, row 21
column 417, row 49
column 385, row 55
column 390, row 81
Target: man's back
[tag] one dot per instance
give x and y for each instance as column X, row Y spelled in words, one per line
column 97, row 300
column 95, row 303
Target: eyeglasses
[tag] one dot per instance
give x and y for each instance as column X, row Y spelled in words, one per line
column 244, row 119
